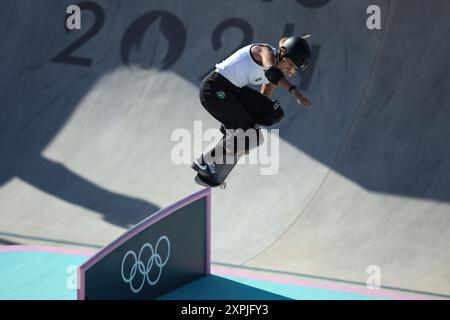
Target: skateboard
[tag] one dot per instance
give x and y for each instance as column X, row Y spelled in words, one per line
column 222, row 170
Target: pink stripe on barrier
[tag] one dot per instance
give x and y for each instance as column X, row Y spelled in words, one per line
column 144, row 224
column 208, row 233
column 78, row 252
column 313, row 284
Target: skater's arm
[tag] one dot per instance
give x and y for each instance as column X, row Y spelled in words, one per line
column 269, row 59
column 294, row 92
column 267, row 89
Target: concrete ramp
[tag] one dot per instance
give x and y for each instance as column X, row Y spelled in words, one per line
column 364, row 177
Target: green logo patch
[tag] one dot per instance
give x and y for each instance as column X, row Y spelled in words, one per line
column 221, row 94
column 259, row 79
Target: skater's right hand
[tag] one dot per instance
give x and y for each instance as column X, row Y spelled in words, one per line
column 301, row 99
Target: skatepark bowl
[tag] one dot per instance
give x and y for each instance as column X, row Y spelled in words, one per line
column 54, row 278
column 358, row 209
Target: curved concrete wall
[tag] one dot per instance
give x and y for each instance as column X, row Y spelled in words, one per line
column 364, row 176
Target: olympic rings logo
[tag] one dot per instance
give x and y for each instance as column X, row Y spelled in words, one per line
column 145, row 269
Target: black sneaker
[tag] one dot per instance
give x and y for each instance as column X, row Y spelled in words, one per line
column 206, row 170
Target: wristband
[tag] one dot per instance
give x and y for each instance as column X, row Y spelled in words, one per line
column 293, row 87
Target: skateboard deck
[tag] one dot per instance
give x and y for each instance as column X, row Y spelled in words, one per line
column 222, row 170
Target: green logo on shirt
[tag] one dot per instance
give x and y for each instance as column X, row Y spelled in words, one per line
column 259, row 79
column 221, row 94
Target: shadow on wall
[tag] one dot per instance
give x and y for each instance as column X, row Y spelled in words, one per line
column 57, row 180
column 4, row 242
column 387, row 132
column 37, row 99
column 213, row 287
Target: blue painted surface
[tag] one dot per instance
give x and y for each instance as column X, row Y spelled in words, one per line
column 301, row 292
column 214, row 287
column 218, row 287
column 39, row 275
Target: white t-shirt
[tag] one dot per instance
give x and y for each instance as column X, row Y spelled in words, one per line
column 242, row 69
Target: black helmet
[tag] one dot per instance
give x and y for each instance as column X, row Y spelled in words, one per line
column 298, row 50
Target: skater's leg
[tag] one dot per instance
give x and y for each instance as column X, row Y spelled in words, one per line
column 222, row 100
column 233, row 145
column 262, row 109
column 219, row 97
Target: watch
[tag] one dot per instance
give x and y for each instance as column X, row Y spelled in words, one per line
column 293, row 87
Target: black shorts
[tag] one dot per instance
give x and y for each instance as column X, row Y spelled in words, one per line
column 237, row 108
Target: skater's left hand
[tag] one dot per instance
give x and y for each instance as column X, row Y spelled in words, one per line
column 301, row 99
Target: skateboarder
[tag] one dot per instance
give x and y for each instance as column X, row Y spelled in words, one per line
column 225, row 95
